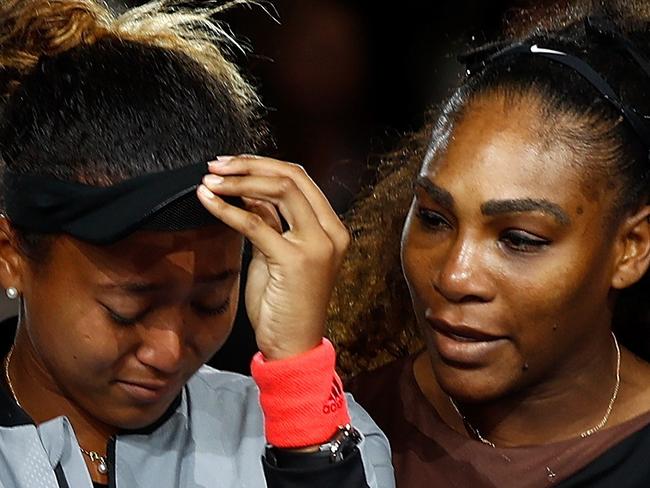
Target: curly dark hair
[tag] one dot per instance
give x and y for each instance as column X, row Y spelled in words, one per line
column 371, row 319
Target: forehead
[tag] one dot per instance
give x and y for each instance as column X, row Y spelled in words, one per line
column 165, row 256
column 500, row 149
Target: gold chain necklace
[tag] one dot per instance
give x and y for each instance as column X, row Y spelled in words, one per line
column 96, row 458
column 475, row 432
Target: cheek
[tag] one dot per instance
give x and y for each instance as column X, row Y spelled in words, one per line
column 67, row 328
column 537, row 298
column 85, row 333
column 550, row 291
column 416, row 257
column 73, row 343
column 415, row 271
column 551, row 305
column 209, row 334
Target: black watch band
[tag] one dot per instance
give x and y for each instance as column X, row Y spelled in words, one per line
column 343, row 444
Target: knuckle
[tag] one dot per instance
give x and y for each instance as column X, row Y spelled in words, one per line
column 252, row 222
column 296, row 169
column 286, row 185
column 233, row 183
column 325, row 248
column 247, row 156
column 217, row 204
column 343, row 238
column 315, row 255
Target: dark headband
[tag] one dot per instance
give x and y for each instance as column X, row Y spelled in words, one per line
column 102, row 215
column 598, row 26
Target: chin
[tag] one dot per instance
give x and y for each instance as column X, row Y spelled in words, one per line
column 135, row 420
column 475, row 385
column 132, row 417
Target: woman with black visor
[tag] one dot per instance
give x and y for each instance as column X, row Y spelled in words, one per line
column 123, row 247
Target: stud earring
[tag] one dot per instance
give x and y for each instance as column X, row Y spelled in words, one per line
column 12, row 293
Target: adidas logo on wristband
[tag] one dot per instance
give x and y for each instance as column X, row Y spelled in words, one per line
column 335, row 401
column 301, row 397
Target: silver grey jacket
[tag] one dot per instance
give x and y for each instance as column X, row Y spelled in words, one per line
column 213, row 438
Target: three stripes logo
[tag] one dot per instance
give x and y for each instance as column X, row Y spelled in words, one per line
column 335, row 400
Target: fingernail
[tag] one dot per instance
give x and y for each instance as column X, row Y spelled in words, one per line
column 220, row 161
column 212, row 179
column 203, row 190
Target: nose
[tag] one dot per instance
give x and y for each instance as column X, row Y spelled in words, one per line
column 463, row 275
column 162, row 349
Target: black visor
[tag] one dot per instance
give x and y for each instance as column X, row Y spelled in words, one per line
column 164, row 201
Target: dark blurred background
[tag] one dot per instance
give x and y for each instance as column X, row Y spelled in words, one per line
column 343, row 80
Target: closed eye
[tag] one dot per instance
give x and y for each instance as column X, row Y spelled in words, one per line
column 208, row 311
column 125, row 320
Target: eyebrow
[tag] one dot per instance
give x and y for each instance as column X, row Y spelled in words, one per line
column 143, row 288
column 502, row 207
column 439, row 195
column 496, row 207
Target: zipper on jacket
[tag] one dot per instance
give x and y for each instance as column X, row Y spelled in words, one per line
column 110, row 454
column 60, row 477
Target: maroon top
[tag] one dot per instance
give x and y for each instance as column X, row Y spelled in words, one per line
column 427, row 452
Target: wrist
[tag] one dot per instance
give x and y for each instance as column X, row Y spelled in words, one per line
column 340, row 447
column 271, row 353
column 302, row 397
column 278, row 350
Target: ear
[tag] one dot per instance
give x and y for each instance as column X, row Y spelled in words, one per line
column 634, row 256
column 12, row 261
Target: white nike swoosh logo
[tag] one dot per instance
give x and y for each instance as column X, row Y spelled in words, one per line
column 535, row 49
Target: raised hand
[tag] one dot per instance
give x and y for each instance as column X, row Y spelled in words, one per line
column 292, row 274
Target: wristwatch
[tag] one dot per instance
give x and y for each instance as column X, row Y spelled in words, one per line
column 342, row 444
column 334, row 451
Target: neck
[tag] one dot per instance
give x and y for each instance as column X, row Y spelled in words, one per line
column 570, row 401
column 39, row 394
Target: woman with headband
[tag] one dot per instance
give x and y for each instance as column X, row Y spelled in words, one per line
column 126, row 266
column 526, row 250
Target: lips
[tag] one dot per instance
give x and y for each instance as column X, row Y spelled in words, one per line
column 464, row 344
column 149, row 385
column 462, row 333
column 145, row 391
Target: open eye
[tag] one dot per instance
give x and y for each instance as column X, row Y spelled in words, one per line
column 432, row 219
column 522, row 241
column 212, row 311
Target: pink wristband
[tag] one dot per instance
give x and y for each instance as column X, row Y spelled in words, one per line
column 302, row 397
